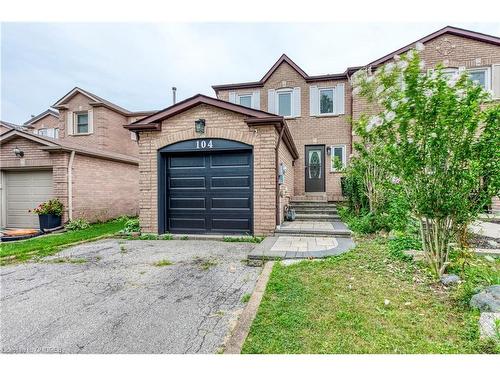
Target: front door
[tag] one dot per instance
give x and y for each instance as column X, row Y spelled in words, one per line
column 315, row 168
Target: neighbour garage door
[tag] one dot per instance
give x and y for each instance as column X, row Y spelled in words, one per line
column 208, row 192
column 24, row 191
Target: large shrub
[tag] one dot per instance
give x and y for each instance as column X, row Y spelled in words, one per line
column 438, row 139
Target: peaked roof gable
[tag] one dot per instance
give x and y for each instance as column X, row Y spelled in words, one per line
column 445, row 30
column 96, row 100
column 153, row 121
column 48, row 112
column 283, row 59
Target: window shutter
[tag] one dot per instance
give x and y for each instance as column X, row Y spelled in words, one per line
column 91, row 120
column 271, row 101
column 69, row 122
column 232, row 97
column 495, row 80
column 256, row 99
column 339, row 99
column 296, row 102
column 313, row 100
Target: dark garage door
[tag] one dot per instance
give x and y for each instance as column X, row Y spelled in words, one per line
column 209, row 192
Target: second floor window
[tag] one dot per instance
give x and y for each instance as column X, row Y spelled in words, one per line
column 284, row 103
column 245, row 100
column 326, row 101
column 82, row 123
column 480, row 76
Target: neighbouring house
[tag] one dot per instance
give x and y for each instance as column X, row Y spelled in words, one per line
column 230, row 165
column 6, row 126
column 46, row 124
column 81, row 154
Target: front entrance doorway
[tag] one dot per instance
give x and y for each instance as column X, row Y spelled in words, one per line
column 315, row 168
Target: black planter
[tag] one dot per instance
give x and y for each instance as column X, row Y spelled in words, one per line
column 48, row 221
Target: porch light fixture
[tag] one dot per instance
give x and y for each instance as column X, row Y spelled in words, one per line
column 328, row 150
column 18, row 153
column 199, row 126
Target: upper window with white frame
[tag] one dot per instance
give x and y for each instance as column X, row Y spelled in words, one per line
column 82, row 123
column 480, row 76
column 48, row 132
column 245, row 100
column 326, row 101
column 338, row 157
column 284, row 103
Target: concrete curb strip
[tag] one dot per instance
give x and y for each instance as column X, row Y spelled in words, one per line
column 240, row 332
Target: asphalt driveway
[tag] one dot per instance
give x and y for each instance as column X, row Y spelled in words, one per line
column 110, row 297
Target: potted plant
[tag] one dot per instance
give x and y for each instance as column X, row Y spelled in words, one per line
column 49, row 214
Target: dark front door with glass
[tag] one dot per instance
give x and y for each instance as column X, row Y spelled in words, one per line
column 315, row 168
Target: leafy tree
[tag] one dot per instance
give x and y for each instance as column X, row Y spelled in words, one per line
column 438, row 138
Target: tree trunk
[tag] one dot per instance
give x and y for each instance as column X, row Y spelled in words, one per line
column 436, row 235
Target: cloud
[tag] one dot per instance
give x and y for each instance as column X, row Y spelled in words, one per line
column 135, row 64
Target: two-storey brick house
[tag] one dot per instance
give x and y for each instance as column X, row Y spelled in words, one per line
column 80, row 154
column 206, row 167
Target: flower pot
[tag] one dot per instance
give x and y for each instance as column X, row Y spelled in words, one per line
column 48, row 221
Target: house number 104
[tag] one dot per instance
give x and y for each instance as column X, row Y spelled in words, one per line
column 204, row 144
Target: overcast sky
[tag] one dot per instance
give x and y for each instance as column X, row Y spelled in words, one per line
column 135, row 65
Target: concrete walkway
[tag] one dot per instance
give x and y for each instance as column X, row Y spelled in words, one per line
column 487, row 229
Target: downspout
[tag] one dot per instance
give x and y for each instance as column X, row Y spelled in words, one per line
column 278, row 216
column 70, row 185
column 351, row 114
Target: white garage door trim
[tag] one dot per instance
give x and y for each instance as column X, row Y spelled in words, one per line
column 23, row 191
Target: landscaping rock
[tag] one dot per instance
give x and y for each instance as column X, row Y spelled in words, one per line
column 487, row 300
column 487, row 325
column 449, row 279
column 493, row 243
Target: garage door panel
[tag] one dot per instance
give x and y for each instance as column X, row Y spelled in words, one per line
column 230, row 160
column 187, row 203
column 231, row 203
column 187, row 224
column 214, row 199
column 231, row 225
column 186, row 183
column 25, row 190
column 230, row 182
column 182, row 162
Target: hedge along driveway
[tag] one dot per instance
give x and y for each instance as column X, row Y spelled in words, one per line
column 11, row 252
column 339, row 306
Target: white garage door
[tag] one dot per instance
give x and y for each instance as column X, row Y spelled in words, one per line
column 24, row 191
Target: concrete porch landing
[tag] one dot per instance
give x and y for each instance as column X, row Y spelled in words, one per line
column 313, row 228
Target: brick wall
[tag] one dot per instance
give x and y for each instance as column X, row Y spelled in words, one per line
column 219, row 124
column 104, row 189
column 287, row 189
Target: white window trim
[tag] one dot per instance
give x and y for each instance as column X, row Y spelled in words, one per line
column 487, row 77
column 344, row 157
column 277, row 99
column 333, row 113
column 75, row 122
column 239, row 96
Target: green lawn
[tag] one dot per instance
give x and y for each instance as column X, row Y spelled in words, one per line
column 12, row 252
column 339, row 306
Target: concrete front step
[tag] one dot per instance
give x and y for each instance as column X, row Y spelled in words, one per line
column 316, row 217
column 319, row 210
column 313, row 233
column 306, row 199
